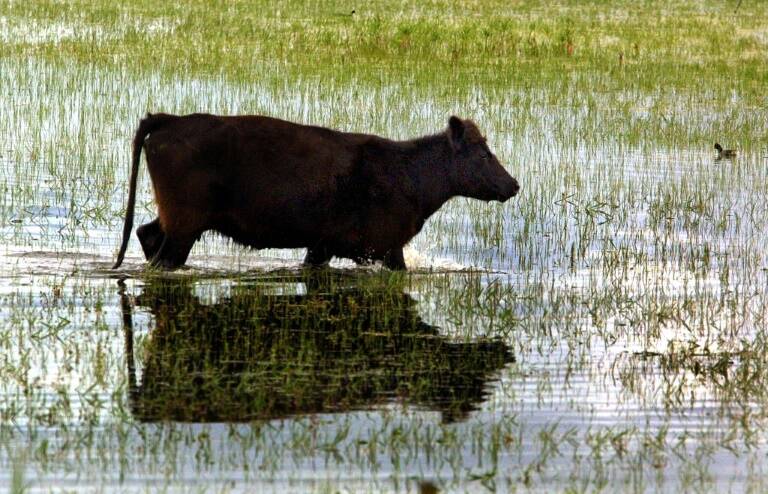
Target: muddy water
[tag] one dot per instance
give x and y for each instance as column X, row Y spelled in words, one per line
column 603, row 329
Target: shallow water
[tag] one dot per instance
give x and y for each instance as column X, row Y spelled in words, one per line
column 603, row 329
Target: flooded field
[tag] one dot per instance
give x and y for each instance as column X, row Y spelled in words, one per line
column 605, row 330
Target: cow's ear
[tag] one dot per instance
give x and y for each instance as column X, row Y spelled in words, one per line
column 456, row 132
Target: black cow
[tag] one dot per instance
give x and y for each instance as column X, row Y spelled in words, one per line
column 266, row 182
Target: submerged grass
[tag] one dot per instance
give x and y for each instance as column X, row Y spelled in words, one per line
column 604, row 331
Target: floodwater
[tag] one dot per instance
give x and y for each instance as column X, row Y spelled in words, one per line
column 604, row 329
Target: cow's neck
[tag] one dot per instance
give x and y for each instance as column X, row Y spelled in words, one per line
column 429, row 159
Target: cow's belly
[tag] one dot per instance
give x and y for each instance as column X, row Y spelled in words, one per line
column 280, row 228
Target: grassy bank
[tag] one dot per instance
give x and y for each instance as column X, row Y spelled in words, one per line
column 630, row 46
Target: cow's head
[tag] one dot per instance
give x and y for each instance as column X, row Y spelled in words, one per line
column 475, row 171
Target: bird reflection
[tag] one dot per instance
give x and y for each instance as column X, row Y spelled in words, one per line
column 295, row 344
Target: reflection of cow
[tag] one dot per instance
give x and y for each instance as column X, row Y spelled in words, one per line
column 260, row 354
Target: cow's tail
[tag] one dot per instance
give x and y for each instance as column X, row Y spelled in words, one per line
column 146, row 126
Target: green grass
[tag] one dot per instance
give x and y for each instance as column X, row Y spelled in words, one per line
column 496, row 42
column 627, row 281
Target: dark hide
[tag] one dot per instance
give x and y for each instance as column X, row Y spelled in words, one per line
column 266, row 182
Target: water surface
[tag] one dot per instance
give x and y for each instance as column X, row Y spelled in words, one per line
column 604, row 329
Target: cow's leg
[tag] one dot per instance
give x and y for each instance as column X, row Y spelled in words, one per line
column 151, row 236
column 394, row 260
column 173, row 252
column 317, row 256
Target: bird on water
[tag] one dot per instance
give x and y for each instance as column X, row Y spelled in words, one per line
column 724, row 153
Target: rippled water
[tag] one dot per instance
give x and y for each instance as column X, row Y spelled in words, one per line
column 603, row 329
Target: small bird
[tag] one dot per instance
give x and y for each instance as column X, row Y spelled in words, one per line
column 724, row 153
